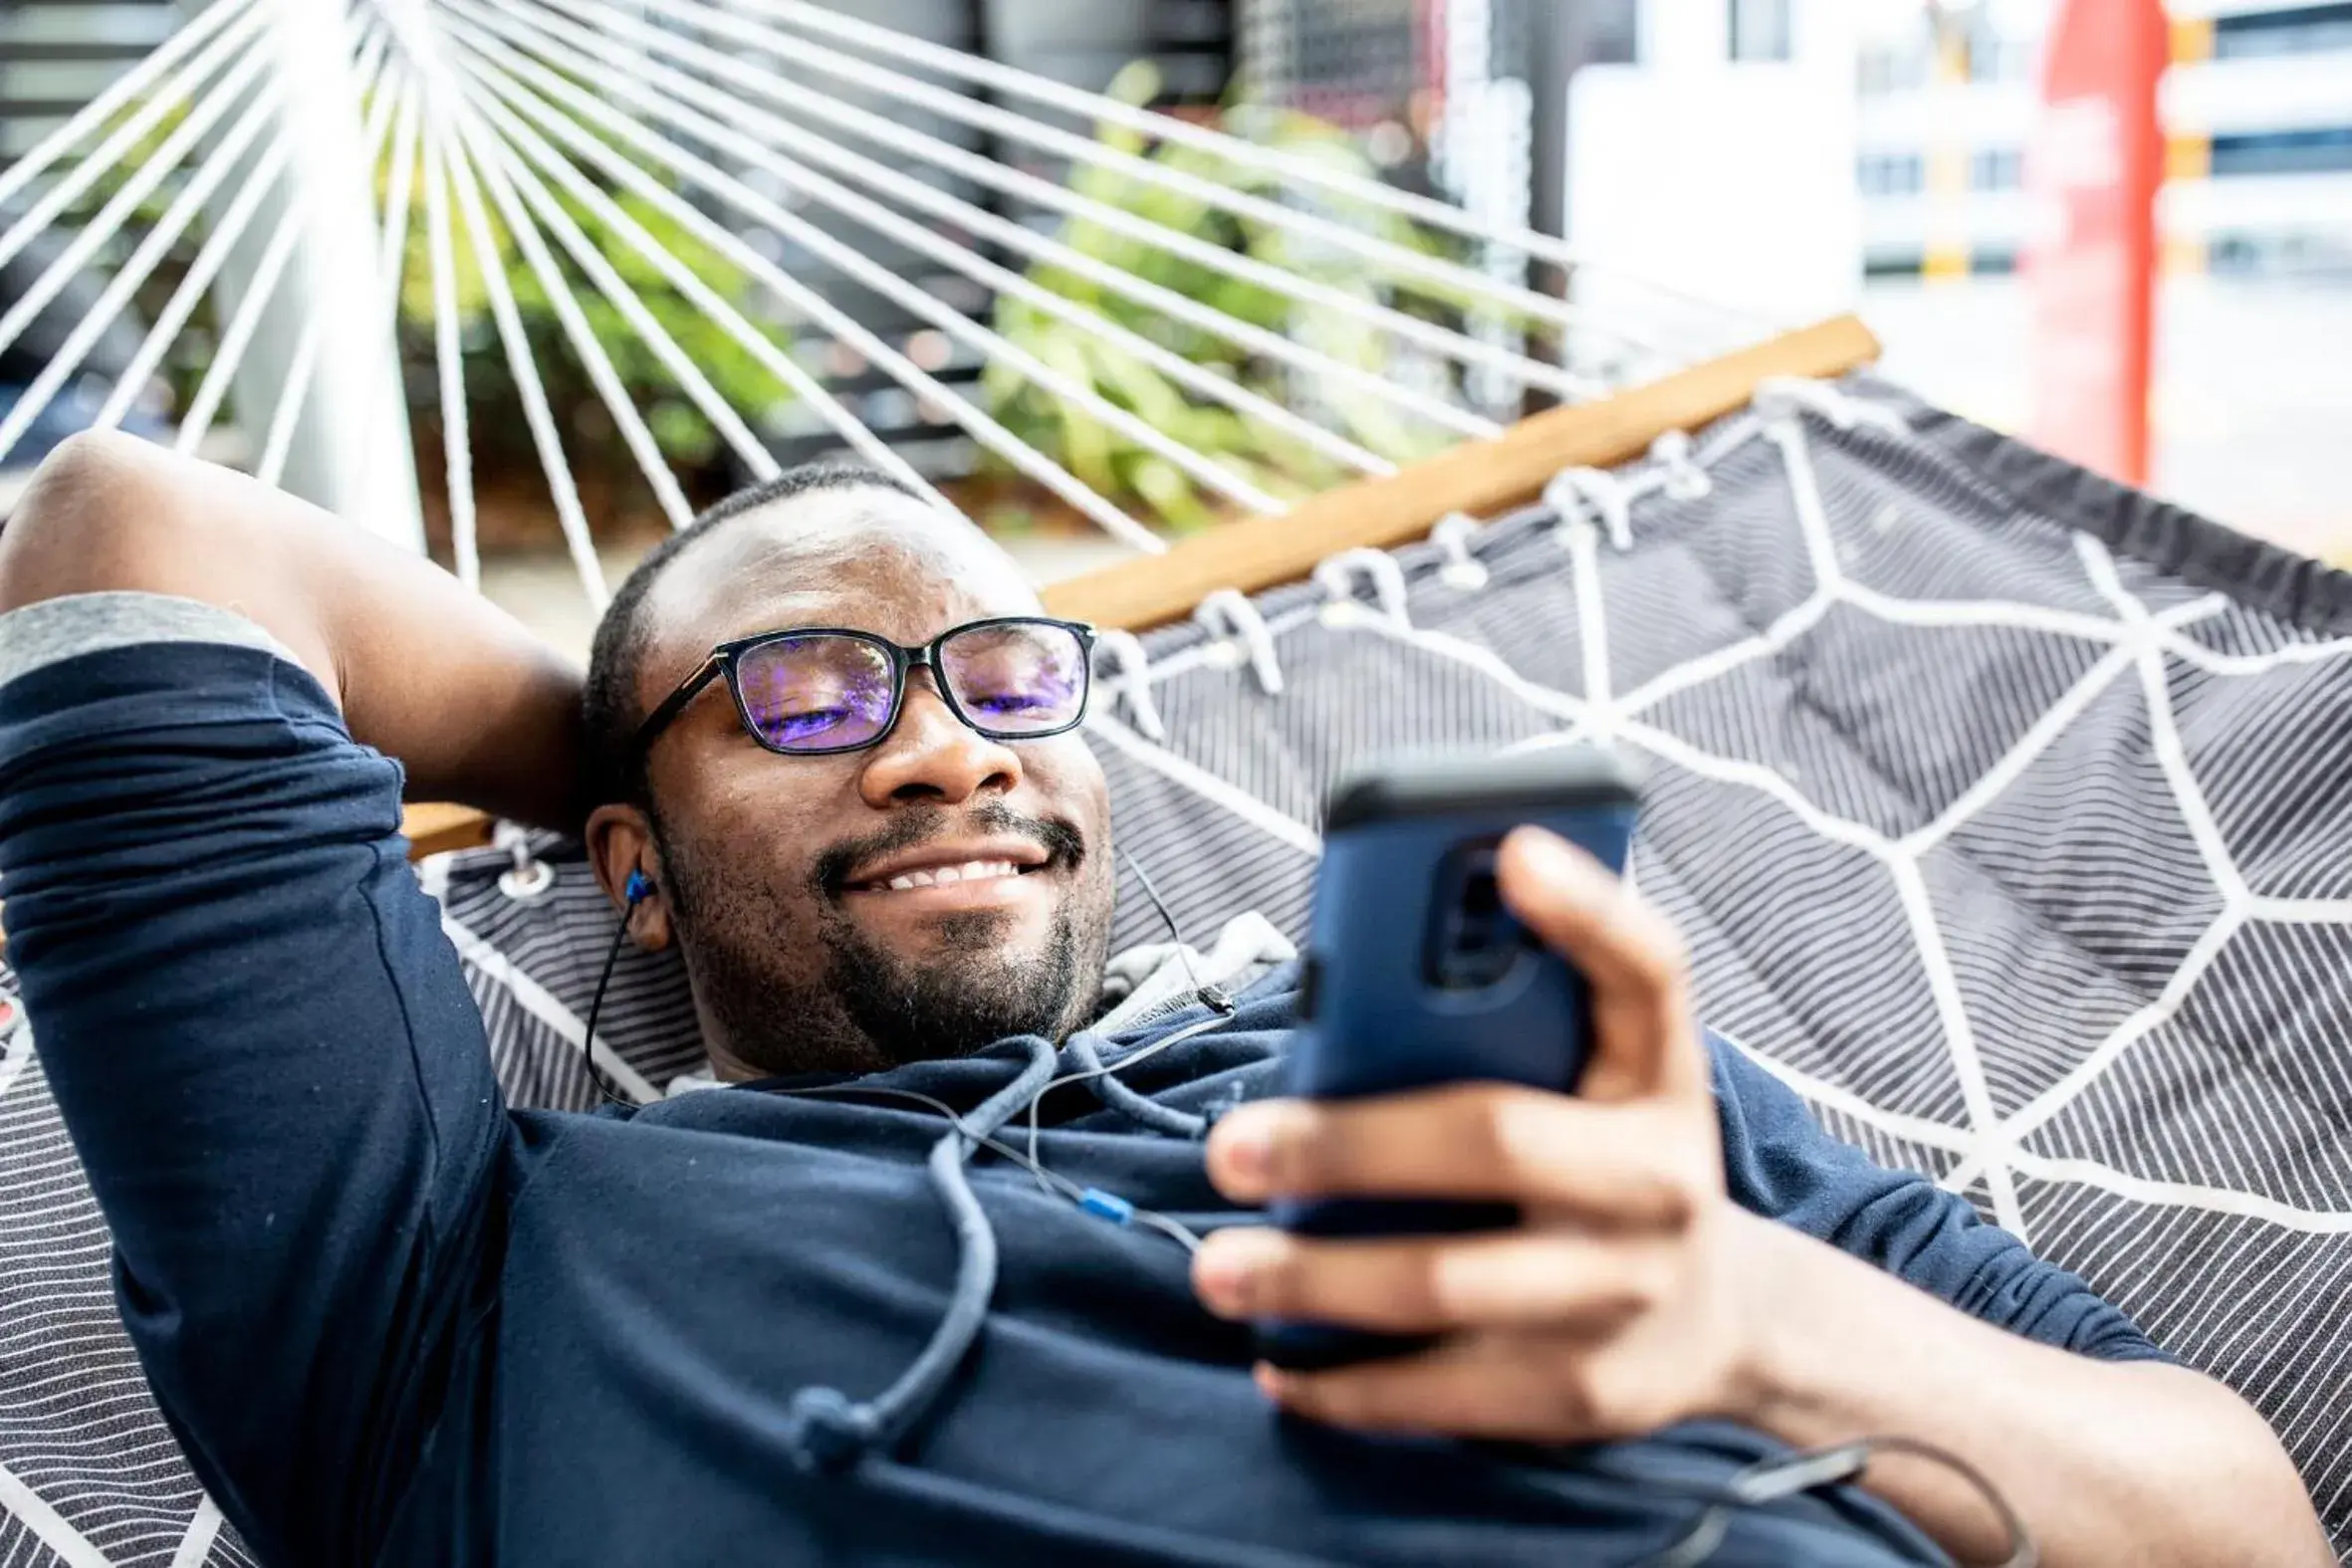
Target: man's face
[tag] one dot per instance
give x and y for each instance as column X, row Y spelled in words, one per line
column 773, row 871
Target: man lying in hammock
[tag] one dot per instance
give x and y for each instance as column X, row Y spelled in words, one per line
column 394, row 1322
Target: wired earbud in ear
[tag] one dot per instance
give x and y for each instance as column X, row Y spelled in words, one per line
column 633, row 892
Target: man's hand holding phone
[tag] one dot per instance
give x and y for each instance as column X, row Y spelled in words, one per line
column 1622, row 1301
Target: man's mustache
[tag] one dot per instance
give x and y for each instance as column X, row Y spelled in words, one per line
column 1063, row 844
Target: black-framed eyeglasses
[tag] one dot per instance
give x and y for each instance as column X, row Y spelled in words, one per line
column 811, row 691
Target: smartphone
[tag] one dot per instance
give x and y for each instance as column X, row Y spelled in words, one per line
column 1417, row 976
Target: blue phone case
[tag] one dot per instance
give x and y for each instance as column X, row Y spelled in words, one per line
column 1415, row 977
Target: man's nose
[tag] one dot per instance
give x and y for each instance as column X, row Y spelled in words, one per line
column 934, row 755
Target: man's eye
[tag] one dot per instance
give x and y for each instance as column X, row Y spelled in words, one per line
column 1008, row 702
column 807, row 722
column 812, row 720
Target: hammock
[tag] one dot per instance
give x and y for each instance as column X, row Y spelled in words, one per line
column 1995, row 802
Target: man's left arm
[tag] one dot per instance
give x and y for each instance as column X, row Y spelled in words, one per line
column 1637, row 1295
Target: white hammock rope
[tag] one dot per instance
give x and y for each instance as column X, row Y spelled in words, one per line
column 871, row 274
column 545, row 438
column 1009, row 81
column 583, row 336
column 181, row 307
column 540, row 119
column 700, row 294
column 585, row 255
column 400, row 197
column 107, row 155
column 301, row 366
column 399, row 192
column 1438, row 339
column 916, row 237
column 458, row 452
column 285, row 415
column 126, row 201
column 980, row 222
column 136, row 269
column 91, row 115
column 259, row 289
column 377, row 71
column 796, row 294
column 205, row 408
column 970, row 263
column 1443, row 279
column 984, row 224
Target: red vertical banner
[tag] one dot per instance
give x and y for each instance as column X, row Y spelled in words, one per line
column 2093, row 166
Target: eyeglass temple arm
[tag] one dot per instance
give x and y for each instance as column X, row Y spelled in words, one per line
column 675, row 703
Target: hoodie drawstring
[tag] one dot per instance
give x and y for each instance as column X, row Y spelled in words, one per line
column 831, row 1430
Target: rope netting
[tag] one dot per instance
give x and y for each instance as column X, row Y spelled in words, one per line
column 1129, row 283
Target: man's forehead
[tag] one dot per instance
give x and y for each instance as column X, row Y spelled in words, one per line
column 869, row 557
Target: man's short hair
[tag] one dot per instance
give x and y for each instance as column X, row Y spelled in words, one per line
column 616, row 657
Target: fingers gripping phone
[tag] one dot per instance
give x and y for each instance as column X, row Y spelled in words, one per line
column 1417, row 976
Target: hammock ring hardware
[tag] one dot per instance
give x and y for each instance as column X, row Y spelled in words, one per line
column 1453, row 535
column 1576, row 494
column 1337, row 575
column 1679, row 472
column 1230, row 617
column 528, row 877
column 1783, row 397
column 1130, row 680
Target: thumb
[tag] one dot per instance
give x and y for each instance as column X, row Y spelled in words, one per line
column 1645, row 1042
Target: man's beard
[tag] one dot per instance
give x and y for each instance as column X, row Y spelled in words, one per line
column 791, row 994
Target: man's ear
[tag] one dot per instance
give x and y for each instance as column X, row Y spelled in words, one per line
column 620, row 846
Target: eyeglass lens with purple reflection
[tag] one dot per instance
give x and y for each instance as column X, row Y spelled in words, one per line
column 811, row 691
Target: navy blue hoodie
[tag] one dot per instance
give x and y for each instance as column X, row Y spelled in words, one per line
column 395, row 1321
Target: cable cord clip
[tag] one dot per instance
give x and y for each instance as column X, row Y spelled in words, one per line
column 1106, row 1206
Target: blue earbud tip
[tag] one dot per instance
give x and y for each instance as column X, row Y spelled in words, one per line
column 638, row 886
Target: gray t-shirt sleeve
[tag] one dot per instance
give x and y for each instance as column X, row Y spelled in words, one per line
column 54, row 630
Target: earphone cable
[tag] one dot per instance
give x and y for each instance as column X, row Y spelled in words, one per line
column 1051, row 1181
column 1810, row 1469
column 1209, row 995
column 588, row 1038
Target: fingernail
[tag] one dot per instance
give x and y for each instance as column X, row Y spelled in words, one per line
column 1243, row 1144
column 1546, row 852
column 1229, row 1266
column 1273, row 1382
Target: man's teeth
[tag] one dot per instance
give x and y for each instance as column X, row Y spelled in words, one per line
column 939, row 876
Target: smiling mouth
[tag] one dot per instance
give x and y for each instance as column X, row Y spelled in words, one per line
column 970, row 872
column 945, row 876
column 935, row 863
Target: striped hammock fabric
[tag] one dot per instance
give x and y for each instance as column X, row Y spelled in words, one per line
column 2003, row 809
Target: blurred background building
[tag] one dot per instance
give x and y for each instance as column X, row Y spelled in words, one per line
column 1798, row 156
